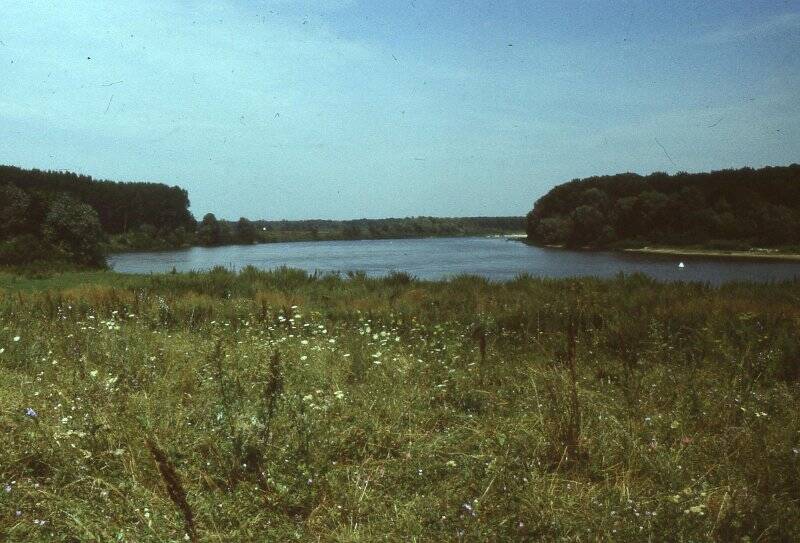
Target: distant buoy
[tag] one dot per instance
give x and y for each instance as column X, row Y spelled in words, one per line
column 681, row 265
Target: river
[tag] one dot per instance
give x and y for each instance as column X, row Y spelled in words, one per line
column 437, row 258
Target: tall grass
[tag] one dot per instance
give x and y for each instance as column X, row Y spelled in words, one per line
column 288, row 406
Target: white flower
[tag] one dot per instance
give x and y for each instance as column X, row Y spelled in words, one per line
column 16, row 338
column 339, row 394
column 93, row 373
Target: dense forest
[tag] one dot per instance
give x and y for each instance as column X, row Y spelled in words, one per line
column 727, row 209
column 61, row 216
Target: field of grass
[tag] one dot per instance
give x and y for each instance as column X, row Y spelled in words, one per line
column 278, row 406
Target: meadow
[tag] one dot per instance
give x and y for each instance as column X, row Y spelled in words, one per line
column 283, row 406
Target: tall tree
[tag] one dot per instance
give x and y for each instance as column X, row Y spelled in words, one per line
column 209, row 232
column 74, row 230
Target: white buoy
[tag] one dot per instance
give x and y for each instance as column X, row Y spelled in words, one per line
column 681, row 265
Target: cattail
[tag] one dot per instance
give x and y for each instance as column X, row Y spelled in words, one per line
column 174, row 487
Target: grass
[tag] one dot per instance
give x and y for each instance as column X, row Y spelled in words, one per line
column 285, row 406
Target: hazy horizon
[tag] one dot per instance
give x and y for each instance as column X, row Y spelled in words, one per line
column 344, row 110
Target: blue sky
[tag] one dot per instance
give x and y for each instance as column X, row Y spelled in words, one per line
column 348, row 109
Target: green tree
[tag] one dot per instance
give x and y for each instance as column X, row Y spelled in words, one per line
column 13, row 207
column 209, row 232
column 246, row 231
column 588, row 224
column 74, row 230
column 554, row 230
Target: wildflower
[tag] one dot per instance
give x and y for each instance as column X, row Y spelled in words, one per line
column 16, row 338
column 29, row 411
column 93, row 373
column 7, row 488
column 696, row 509
column 339, row 394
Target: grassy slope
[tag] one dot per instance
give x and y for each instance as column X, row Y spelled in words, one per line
column 380, row 420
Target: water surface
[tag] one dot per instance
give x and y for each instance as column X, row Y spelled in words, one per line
column 437, row 258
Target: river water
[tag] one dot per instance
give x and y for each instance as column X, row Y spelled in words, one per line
column 437, row 258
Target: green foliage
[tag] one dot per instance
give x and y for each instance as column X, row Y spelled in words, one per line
column 14, row 205
column 741, row 208
column 246, row 232
column 62, row 217
column 288, row 406
column 410, row 227
column 209, row 231
column 120, row 206
column 73, row 229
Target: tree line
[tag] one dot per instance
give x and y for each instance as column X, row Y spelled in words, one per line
column 213, row 231
column 726, row 209
column 61, row 216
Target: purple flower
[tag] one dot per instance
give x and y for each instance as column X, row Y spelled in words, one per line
column 29, row 411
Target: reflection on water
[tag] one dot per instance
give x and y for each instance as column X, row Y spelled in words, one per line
column 436, row 258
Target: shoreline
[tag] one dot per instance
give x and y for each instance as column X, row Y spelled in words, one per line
column 714, row 253
column 753, row 254
column 510, row 236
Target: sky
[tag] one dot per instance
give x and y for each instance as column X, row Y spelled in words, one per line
column 346, row 109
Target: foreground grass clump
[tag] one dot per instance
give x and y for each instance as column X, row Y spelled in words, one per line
column 282, row 406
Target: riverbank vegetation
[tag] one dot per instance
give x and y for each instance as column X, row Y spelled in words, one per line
column 727, row 210
column 284, row 406
column 245, row 231
column 62, row 219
